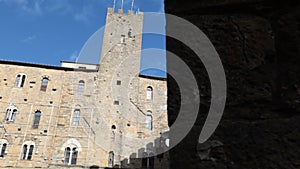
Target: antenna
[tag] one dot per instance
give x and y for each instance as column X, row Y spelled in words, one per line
column 114, row 4
column 132, row 3
column 122, row 4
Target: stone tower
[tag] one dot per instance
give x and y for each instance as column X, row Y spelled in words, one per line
column 133, row 120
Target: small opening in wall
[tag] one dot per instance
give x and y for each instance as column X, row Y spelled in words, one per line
column 19, row 129
column 0, row 97
column 54, row 90
column 32, row 82
column 116, row 103
column 51, row 102
column 45, row 131
column 119, row 82
column 25, row 100
column 5, row 79
column 113, row 127
column 5, row 84
column 128, row 125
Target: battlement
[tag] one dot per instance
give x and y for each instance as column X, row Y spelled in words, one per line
column 121, row 11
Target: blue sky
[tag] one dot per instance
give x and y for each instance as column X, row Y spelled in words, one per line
column 48, row 31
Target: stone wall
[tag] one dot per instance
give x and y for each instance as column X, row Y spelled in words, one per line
column 258, row 43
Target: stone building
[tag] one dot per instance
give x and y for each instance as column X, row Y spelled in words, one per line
column 86, row 115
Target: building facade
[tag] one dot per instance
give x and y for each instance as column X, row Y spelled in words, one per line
column 86, row 115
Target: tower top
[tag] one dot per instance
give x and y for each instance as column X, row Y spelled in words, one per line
column 120, row 11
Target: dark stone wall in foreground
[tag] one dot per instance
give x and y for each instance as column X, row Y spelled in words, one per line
column 258, row 43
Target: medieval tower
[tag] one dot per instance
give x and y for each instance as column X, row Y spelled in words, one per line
column 80, row 115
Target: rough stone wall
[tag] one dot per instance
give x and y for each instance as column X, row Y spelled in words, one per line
column 258, row 43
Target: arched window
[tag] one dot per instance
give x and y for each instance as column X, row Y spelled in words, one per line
column 149, row 93
column 76, row 117
column 11, row 113
column 27, row 150
column 74, row 156
column 3, row 146
column 111, row 158
column 37, row 117
column 20, row 80
column 67, row 155
column 44, row 84
column 71, row 149
column 80, row 89
column 71, row 156
column 149, row 120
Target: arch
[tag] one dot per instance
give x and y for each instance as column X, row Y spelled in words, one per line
column 71, row 143
column 149, row 93
column 20, row 80
column 37, row 118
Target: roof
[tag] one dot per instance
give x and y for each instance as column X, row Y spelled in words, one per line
column 28, row 64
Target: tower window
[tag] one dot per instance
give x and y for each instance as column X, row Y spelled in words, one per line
column 44, row 84
column 80, row 89
column 149, row 93
column 20, row 80
column 37, row 117
column 119, row 82
column 76, row 117
column 149, row 122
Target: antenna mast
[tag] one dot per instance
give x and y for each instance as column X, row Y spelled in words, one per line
column 132, row 3
column 122, row 4
column 114, row 6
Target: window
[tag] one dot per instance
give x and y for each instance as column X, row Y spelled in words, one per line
column 44, row 84
column 11, row 113
column 80, row 89
column 149, row 120
column 70, row 156
column 27, row 150
column 71, row 148
column 149, row 93
column 3, row 146
column 111, row 158
column 20, row 80
column 37, row 117
column 76, row 117
column 122, row 39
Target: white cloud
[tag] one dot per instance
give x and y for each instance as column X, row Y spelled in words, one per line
column 85, row 14
column 73, row 56
column 29, row 39
column 28, row 6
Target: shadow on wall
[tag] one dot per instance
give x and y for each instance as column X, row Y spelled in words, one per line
column 146, row 157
